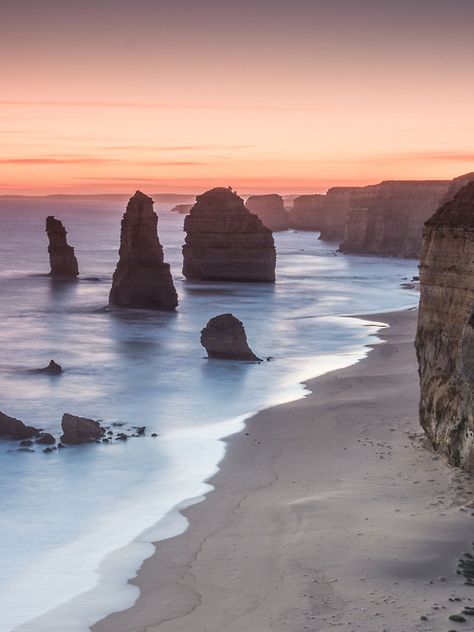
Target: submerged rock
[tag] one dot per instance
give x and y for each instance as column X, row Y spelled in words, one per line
column 445, row 334
column 53, row 368
column 80, row 429
column 11, row 428
column 62, row 259
column 225, row 242
column 270, row 209
column 142, row 279
column 224, row 338
column 46, row 439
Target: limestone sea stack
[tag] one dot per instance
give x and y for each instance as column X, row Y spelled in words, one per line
column 271, row 210
column 224, row 338
column 142, row 279
column 62, row 259
column 307, row 212
column 226, row 242
column 182, row 209
column 445, row 335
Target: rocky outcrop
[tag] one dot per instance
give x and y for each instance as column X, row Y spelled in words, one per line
column 224, row 338
column 182, row 209
column 46, row 438
column 142, row 279
column 62, row 259
column 270, row 209
column 53, row 368
column 445, row 335
column 387, row 219
column 225, row 242
column 78, row 430
column 456, row 185
column 307, row 212
column 11, row 428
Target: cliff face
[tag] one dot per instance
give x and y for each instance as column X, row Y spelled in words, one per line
column 307, row 212
column 142, row 279
column 270, row 209
column 387, row 219
column 62, row 259
column 456, row 185
column 225, row 242
column 340, row 202
column 445, row 336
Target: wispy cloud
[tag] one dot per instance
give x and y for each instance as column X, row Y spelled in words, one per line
column 202, row 147
column 47, row 160
column 152, row 105
column 428, row 156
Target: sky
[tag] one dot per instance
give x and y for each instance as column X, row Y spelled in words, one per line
column 287, row 96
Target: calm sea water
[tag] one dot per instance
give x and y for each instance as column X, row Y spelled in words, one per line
column 75, row 524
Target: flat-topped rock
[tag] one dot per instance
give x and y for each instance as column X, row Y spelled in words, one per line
column 77, row 430
column 445, row 335
column 308, row 212
column 142, row 279
column 270, row 209
column 182, row 209
column 11, row 428
column 226, row 242
column 224, row 338
column 62, row 259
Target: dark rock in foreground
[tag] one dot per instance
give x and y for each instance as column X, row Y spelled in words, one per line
column 46, row 439
column 225, row 242
column 142, row 279
column 270, row 209
column 62, row 259
column 224, row 338
column 78, row 430
column 445, row 335
column 53, row 368
column 11, row 428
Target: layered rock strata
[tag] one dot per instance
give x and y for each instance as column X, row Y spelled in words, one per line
column 387, row 219
column 224, row 338
column 62, row 259
column 225, row 242
column 445, row 335
column 142, row 279
column 270, row 209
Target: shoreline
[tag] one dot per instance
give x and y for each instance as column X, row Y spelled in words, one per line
column 315, row 522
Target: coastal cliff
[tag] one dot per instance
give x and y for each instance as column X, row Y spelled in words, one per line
column 142, row 279
column 270, row 209
column 387, row 219
column 445, row 335
column 225, row 242
column 62, row 259
column 307, row 212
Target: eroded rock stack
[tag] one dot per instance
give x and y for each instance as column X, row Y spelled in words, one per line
column 182, row 209
column 142, row 279
column 225, row 242
column 307, row 212
column 445, row 336
column 224, row 338
column 62, row 259
column 270, row 209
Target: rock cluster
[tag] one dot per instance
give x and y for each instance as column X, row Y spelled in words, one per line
column 225, row 242
column 11, row 428
column 270, row 209
column 142, row 279
column 224, row 338
column 62, row 259
column 445, row 335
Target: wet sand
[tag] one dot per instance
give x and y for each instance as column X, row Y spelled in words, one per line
column 327, row 512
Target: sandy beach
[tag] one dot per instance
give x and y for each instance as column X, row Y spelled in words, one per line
column 327, row 512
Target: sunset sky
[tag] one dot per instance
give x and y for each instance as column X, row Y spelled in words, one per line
column 289, row 96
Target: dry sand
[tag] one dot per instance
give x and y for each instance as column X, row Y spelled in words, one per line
column 329, row 513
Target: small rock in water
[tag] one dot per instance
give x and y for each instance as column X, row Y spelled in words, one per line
column 53, row 368
column 46, row 439
column 224, row 338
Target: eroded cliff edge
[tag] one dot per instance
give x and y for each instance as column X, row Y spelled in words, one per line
column 445, row 335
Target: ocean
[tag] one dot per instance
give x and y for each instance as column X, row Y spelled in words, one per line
column 76, row 524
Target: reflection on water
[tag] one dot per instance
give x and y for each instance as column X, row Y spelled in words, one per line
column 62, row 513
